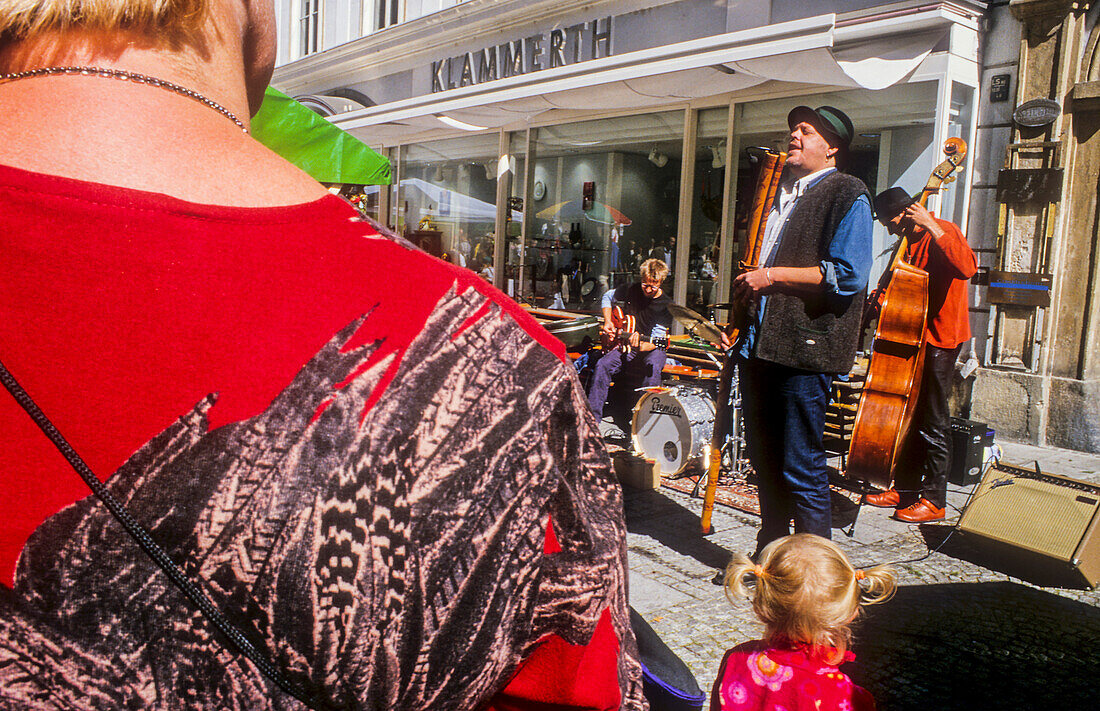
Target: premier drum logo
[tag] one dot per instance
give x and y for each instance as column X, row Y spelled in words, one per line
column 656, row 407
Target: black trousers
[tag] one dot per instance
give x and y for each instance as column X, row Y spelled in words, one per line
column 923, row 469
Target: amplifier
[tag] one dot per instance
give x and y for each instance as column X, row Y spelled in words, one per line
column 968, row 442
column 1054, row 517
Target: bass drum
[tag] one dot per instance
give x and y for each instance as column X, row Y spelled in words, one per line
column 673, row 426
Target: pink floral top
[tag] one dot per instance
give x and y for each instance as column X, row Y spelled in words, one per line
column 755, row 677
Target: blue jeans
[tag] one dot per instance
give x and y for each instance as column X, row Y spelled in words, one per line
column 784, row 416
column 644, row 367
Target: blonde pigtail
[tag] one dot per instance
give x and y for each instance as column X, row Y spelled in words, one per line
column 740, row 568
column 877, row 585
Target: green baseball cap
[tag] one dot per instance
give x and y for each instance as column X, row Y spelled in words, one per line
column 833, row 123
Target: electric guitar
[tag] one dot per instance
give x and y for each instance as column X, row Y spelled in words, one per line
column 625, row 324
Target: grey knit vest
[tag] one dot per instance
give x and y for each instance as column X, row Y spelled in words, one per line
column 818, row 332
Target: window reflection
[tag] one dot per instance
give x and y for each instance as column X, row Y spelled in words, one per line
column 706, row 206
column 605, row 197
column 447, row 199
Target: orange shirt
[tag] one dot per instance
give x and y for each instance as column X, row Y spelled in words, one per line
column 950, row 263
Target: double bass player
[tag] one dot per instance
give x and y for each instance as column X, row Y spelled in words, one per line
column 808, row 293
column 939, row 247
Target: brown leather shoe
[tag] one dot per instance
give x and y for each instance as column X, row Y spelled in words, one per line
column 921, row 512
column 888, row 499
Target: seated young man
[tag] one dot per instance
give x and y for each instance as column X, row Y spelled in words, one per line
column 635, row 355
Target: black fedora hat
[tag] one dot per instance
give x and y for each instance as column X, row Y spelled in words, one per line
column 833, row 123
column 890, row 203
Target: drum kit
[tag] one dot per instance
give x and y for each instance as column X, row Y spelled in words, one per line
column 672, row 423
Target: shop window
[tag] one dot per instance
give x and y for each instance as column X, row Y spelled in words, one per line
column 365, row 198
column 706, row 209
column 604, row 198
column 446, row 199
column 386, row 13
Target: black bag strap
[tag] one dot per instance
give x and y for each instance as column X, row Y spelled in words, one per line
column 237, row 640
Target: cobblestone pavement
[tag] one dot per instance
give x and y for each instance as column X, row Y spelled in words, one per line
column 968, row 629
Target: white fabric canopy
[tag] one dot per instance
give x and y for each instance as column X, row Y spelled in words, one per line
column 801, row 52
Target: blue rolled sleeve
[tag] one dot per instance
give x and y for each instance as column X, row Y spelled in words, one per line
column 847, row 263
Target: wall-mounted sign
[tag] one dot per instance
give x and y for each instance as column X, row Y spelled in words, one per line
column 556, row 48
column 1037, row 112
column 1023, row 185
column 998, row 87
column 1019, row 288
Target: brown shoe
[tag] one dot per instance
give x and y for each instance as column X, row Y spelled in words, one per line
column 888, row 499
column 921, row 512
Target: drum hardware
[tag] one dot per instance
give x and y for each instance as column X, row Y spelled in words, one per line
column 672, row 425
column 696, row 326
column 713, row 309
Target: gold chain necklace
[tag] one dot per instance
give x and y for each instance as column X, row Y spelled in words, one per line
column 124, row 75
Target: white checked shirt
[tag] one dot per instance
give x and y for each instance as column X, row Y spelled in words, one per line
column 785, row 200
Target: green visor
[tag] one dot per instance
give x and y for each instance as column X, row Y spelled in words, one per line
column 329, row 154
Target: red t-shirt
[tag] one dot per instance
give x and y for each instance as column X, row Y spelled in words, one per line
column 950, row 262
column 122, row 309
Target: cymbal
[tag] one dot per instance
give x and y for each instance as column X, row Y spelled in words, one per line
column 695, row 324
column 722, row 305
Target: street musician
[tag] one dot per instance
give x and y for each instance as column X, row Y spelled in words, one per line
column 808, row 292
column 633, row 352
column 939, row 247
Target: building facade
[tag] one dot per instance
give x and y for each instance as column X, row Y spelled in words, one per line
column 1034, row 213
column 554, row 144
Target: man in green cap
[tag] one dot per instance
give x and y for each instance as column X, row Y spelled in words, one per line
column 808, row 293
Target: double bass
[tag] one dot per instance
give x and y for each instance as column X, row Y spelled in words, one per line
column 891, row 390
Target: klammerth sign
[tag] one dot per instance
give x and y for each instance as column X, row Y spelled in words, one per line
column 557, row 48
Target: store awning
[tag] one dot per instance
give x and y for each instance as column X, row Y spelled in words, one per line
column 871, row 53
column 328, row 153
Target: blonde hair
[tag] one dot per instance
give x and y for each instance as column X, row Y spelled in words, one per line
column 805, row 590
column 654, row 270
column 26, row 18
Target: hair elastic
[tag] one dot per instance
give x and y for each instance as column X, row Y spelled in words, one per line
column 859, row 574
column 758, row 570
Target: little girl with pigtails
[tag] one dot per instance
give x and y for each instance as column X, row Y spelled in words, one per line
column 807, row 594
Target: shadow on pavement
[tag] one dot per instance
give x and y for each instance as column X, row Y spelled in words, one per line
column 845, row 510
column 650, row 513
column 1003, row 558
column 978, row 646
